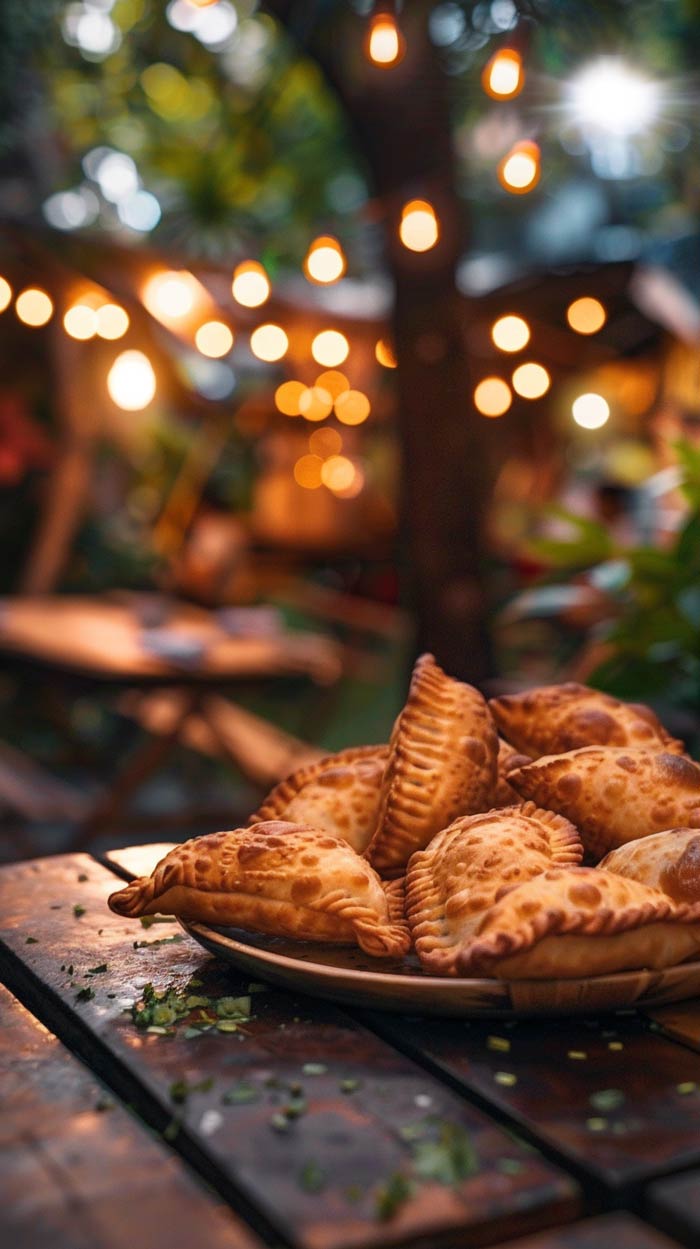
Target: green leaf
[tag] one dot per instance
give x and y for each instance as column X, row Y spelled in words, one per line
column 449, row 1159
column 392, row 1195
column 312, row 1178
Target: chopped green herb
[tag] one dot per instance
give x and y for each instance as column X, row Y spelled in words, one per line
column 448, row 1159
column 578, row 1055
column 191, row 1032
column 82, row 877
column 139, row 945
column 147, row 921
column 499, row 1043
column 312, row 1178
column 180, row 1090
column 104, row 1103
column 279, row 1123
column 607, row 1099
column 171, row 1131
column 233, row 1008
column 293, row 1110
column 505, row 1078
column 350, row 1086
column 596, row 1124
column 241, row 1094
column 226, row 1025
column 314, row 1069
column 78, row 910
column 32, row 941
column 85, row 995
column 688, row 1086
column 160, row 1031
column 193, row 1001
column 392, row 1195
column 96, row 971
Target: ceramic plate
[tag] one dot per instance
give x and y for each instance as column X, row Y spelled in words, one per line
column 343, row 974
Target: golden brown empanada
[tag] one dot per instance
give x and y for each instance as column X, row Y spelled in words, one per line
column 614, row 795
column 669, row 861
column 339, row 794
column 579, row 921
column 508, row 760
column 451, row 883
column 442, row 763
column 556, row 718
column 286, row 879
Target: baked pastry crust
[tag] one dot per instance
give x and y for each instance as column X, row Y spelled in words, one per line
column 669, row 861
column 456, row 879
column 614, row 795
column 555, row 718
column 339, row 794
column 442, row 763
column 508, row 759
column 285, row 879
column 578, row 922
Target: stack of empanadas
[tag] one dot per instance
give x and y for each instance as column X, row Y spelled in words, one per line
column 468, row 845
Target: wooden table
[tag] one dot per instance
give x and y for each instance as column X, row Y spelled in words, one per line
column 307, row 1125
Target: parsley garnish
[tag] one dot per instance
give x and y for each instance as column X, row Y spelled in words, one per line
column 312, row 1178
column 392, row 1195
column 78, row 910
column 85, row 995
column 32, row 941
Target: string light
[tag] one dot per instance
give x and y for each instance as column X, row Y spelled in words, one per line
column 590, row 411
column 34, row 307
column 419, row 229
column 5, row 294
column 531, row 380
column 171, row 296
column 325, row 442
column 503, row 76
column 334, row 382
column 80, row 322
column 492, row 396
column 330, row 348
column 315, row 404
column 510, row 333
column 307, row 471
column 112, row 321
column 384, row 353
column 287, row 397
column 586, row 315
column 354, row 487
column 214, row 339
column 325, row 261
column 352, row 407
column 337, row 472
column 250, row 285
column 385, row 45
column 131, row 381
column 269, row 342
column 519, row 170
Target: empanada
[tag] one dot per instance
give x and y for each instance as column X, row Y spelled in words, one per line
column 555, row 718
column 579, row 921
column 614, row 795
column 451, row 883
column 442, row 763
column 285, row 879
column 508, row 759
column 668, row 861
column 339, row 794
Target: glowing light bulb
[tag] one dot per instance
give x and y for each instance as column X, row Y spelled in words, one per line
column 586, row 315
column 385, row 45
column 325, row 442
column 503, row 76
column 131, row 381
column 315, row 404
column 352, row 407
column 590, row 411
column 112, row 321
column 334, row 382
column 325, row 261
column 269, row 342
column 519, row 171
column 492, row 396
column 531, row 380
column 384, row 353
column 5, row 294
column 214, row 339
column 80, row 322
column 250, row 285
column 608, row 97
column 34, row 307
column 307, row 471
column 330, row 348
column 170, row 296
column 419, row 229
column 287, row 397
column 337, row 472
column 510, row 333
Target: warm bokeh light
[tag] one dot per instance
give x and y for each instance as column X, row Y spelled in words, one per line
column 586, row 315
column 384, row 353
column 590, row 411
column 307, row 471
column 329, row 348
column 492, row 396
column 214, row 339
column 170, row 296
column 519, row 171
column 131, row 381
column 531, row 380
column 269, row 342
column 325, row 442
column 34, row 307
column 5, row 294
column 352, row 407
column 338, row 473
column 287, row 397
column 503, row 76
column 250, row 285
column 325, row 261
column 315, row 403
column 607, row 97
column 80, row 322
column 510, row 333
column 334, row 382
column 418, row 230
column 385, row 45
column 112, row 321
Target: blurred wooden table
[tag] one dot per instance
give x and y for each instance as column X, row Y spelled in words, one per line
column 311, row 1126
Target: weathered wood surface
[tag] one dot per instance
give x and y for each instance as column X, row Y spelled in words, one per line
column 681, row 1021
column 610, row 1097
column 70, row 1155
column 320, row 1179
column 674, row 1205
column 610, row 1231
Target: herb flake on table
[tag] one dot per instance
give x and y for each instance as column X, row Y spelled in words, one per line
column 312, row 1178
column 32, row 941
column 392, row 1195
column 180, row 1090
column 78, row 910
column 85, row 995
column 241, row 1094
column 96, row 971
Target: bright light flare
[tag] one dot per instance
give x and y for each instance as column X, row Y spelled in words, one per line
column 315, row 404
column 131, row 381
column 34, row 307
column 338, row 473
column 586, row 315
column 419, row 230
column 610, row 98
column 503, row 76
column 385, row 45
column 590, row 411
column 80, row 322
column 385, row 354
column 352, row 407
column 519, row 170
column 269, row 343
column 325, row 442
column 325, row 261
column 531, row 380
column 492, row 397
column 250, row 285
column 330, row 348
column 214, row 339
column 287, row 397
column 5, row 294
column 112, row 321
column 171, row 296
column 307, row 471
column 510, row 333
column 334, row 382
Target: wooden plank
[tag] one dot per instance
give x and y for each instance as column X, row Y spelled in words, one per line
column 610, row 1098
column 680, row 1020
column 621, row 1230
column 324, row 1180
column 674, row 1204
column 69, row 1154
